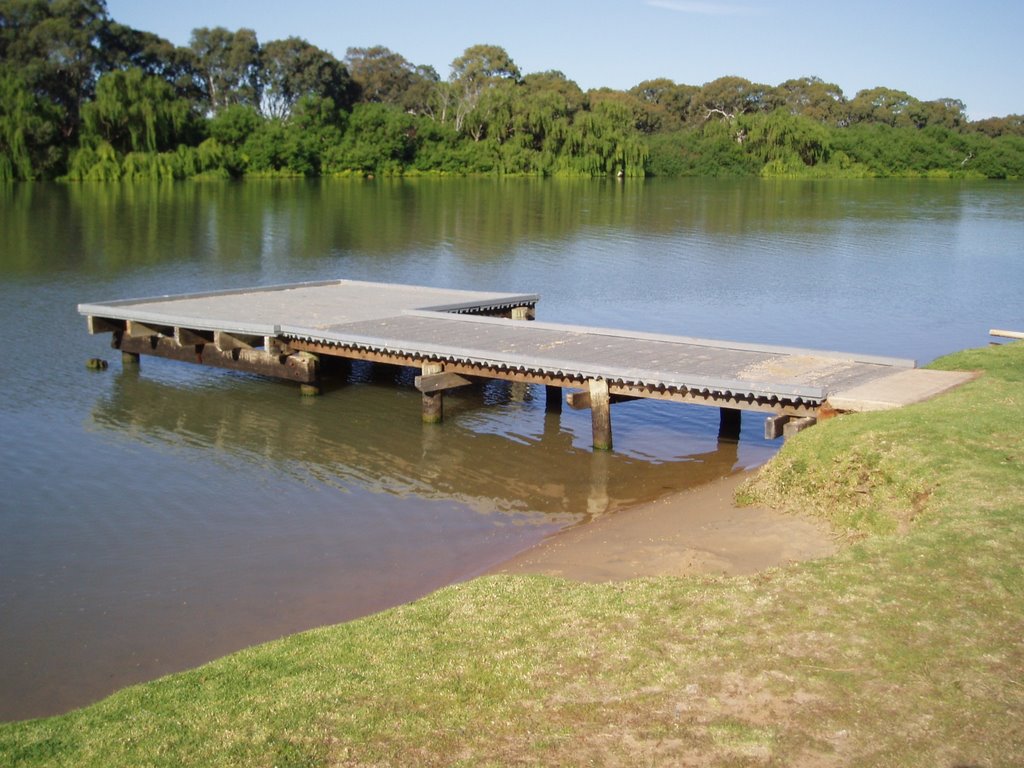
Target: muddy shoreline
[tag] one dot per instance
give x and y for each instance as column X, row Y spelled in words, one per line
column 692, row 532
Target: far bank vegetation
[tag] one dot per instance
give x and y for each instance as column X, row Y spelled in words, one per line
column 83, row 97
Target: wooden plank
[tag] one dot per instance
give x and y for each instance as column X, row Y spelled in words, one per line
column 275, row 346
column 439, row 382
column 578, row 400
column 104, row 325
column 226, row 342
column 187, row 337
column 1006, row 334
column 137, row 330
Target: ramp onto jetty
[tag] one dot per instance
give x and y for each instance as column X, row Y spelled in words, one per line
column 454, row 337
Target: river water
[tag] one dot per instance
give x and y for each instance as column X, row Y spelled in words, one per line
column 154, row 519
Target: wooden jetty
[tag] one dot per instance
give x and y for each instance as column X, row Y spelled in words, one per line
column 455, row 337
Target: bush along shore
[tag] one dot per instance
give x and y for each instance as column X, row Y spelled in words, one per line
column 904, row 649
column 85, row 98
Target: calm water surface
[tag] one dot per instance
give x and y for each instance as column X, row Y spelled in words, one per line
column 154, row 519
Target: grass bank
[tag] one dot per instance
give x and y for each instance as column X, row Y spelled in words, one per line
column 906, row 649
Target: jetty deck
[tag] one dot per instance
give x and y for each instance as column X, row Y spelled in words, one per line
column 455, row 337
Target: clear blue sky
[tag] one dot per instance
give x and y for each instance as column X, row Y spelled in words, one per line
column 965, row 49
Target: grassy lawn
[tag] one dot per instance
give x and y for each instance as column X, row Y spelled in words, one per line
column 906, row 649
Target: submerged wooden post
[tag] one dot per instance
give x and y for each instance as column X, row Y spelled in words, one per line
column 128, row 359
column 433, row 402
column 311, row 389
column 600, row 414
column 729, row 423
column 597, row 495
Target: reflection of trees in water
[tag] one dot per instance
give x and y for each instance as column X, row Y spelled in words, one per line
column 275, row 224
column 360, row 435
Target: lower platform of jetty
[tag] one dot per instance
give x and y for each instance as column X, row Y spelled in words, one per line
column 456, row 337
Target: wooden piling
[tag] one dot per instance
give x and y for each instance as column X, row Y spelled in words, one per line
column 433, row 402
column 773, row 425
column 600, row 414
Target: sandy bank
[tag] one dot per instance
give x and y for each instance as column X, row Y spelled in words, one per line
column 697, row 531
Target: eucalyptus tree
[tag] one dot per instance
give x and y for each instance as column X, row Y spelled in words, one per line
column 671, row 102
column 124, row 47
column 886, row 106
column 481, row 68
column 386, row 77
column 994, row 127
column 227, row 66
column 383, row 76
column 55, row 48
column 292, row 69
column 949, row 113
column 730, row 96
column 423, row 97
column 814, row 98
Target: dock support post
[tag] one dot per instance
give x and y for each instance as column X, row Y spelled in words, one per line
column 311, row 389
column 552, row 399
column 130, row 359
column 600, row 414
column 773, row 426
column 729, row 423
column 433, row 402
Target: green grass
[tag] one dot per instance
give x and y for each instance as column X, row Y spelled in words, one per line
column 905, row 649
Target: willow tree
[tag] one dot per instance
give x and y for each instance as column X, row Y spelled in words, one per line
column 135, row 112
column 28, row 130
column 786, row 140
column 603, row 141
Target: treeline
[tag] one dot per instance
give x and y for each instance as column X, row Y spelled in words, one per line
column 83, row 97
